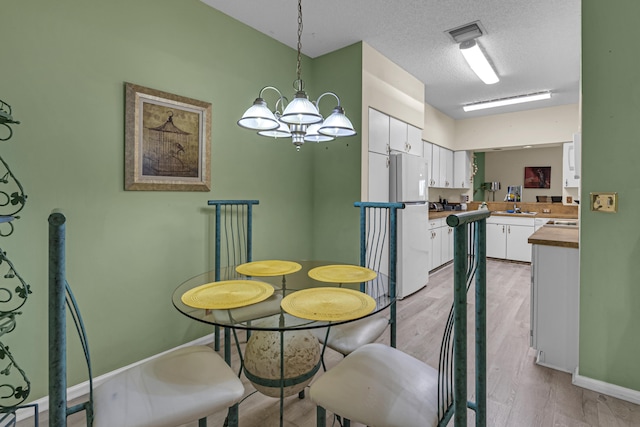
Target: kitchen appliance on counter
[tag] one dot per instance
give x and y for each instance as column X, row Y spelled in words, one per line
column 408, row 185
column 436, row 206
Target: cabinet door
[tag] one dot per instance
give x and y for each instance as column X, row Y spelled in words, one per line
column 518, row 247
column 397, row 135
column 435, row 166
column 569, row 172
column 426, row 154
column 446, row 168
column 462, row 169
column 414, row 141
column 496, row 244
column 447, row 244
column 378, row 132
column 555, row 306
column 378, row 177
column 436, row 247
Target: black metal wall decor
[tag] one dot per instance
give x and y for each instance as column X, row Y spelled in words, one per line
column 14, row 291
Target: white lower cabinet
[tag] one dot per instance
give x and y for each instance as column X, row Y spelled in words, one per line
column 447, row 243
column 507, row 238
column 441, row 238
column 555, row 305
column 435, row 237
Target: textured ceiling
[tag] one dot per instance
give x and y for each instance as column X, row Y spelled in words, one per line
column 534, row 45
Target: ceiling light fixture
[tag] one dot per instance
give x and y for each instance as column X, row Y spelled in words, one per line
column 300, row 119
column 538, row 96
column 478, row 61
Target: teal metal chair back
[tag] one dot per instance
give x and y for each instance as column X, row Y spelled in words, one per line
column 378, row 246
column 470, row 267
column 195, row 358
column 233, row 245
column 61, row 297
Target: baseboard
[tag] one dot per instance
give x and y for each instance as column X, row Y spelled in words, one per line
column 612, row 390
column 82, row 389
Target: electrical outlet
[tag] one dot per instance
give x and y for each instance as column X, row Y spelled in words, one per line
column 604, row 202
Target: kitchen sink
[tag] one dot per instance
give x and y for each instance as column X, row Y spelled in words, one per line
column 515, row 213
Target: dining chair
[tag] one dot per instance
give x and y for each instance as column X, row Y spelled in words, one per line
column 380, row 386
column 233, row 245
column 175, row 388
column 378, row 251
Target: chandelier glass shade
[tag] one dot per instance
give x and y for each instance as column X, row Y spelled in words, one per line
column 299, row 119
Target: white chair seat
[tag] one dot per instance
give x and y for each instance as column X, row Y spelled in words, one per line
column 180, row 387
column 380, row 386
column 347, row 337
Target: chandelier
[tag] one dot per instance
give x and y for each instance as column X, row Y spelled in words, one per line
column 299, row 119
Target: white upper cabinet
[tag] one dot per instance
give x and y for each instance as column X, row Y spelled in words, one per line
column 378, row 132
column 569, row 172
column 446, row 168
column 414, row 139
column 435, row 166
column 404, row 137
column 462, row 169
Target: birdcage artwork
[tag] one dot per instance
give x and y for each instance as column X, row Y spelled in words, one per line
column 170, row 150
column 167, row 141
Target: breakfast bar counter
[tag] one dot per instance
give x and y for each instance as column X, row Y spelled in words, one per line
column 565, row 237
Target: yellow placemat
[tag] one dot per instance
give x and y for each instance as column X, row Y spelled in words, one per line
column 227, row 294
column 329, row 304
column 268, row 268
column 342, row 274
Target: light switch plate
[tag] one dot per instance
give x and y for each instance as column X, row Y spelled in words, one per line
column 604, row 202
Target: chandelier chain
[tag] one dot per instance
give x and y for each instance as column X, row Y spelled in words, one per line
column 299, row 67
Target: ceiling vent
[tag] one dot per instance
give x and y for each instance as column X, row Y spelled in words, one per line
column 466, row 32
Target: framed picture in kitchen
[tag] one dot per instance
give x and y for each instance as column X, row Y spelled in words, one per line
column 537, row 177
column 167, row 141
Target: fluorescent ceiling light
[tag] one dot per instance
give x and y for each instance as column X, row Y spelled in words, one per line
column 478, row 61
column 507, row 101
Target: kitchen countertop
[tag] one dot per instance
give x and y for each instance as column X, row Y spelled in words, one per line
column 444, row 214
column 565, row 237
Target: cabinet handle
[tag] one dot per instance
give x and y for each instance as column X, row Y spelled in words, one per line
column 503, row 228
column 388, row 162
column 509, row 229
column 388, row 149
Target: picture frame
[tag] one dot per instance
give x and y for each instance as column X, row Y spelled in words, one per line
column 167, row 141
column 537, row 177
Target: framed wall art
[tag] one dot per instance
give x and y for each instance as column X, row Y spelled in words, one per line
column 167, row 141
column 537, row 177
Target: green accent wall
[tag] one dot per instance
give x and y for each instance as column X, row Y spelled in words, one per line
column 610, row 243
column 64, row 65
column 336, row 165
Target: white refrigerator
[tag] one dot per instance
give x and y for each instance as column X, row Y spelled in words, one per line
column 408, row 184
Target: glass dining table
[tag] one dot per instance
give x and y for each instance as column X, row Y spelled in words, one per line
column 280, row 303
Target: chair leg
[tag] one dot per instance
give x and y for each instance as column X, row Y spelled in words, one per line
column 202, row 422
column 321, row 417
column 301, row 394
column 216, row 338
column 232, row 417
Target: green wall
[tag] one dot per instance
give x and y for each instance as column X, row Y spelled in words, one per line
column 64, row 65
column 610, row 243
column 336, row 165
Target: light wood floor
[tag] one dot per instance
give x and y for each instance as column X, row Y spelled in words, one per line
column 520, row 393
